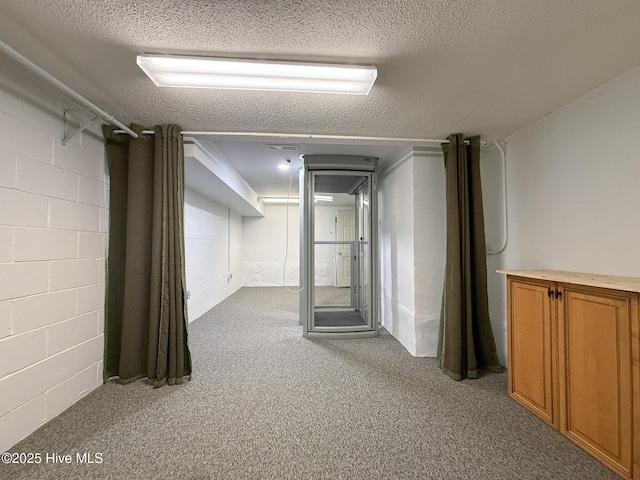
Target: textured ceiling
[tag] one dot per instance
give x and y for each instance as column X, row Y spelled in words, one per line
column 485, row 67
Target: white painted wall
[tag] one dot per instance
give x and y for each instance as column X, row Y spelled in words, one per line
column 53, row 217
column 412, row 229
column 396, row 243
column 213, row 246
column 263, row 246
column 430, row 240
column 573, row 186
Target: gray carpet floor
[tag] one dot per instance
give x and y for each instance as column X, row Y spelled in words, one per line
column 265, row 403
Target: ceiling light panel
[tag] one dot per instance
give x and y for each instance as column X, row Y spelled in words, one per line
column 279, row 200
column 282, row 148
column 226, row 73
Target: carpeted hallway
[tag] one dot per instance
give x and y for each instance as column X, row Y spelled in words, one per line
column 266, row 403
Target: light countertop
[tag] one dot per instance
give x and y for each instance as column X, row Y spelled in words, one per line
column 629, row 284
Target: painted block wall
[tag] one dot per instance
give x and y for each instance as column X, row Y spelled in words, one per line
column 413, row 245
column 53, row 222
column 264, row 242
column 430, row 243
column 396, row 243
column 213, row 246
column 573, row 187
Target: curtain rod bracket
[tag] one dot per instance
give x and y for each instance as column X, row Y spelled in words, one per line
column 65, row 89
column 65, row 137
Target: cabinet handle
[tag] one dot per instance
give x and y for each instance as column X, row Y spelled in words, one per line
column 549, row 292
column 558, row 293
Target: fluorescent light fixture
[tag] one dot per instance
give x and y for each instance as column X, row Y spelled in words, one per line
column 279, row 200
column 318, row 198
column 239, row 74
column 284, row 166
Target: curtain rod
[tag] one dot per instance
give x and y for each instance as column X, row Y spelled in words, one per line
column 72, row 93
column 309, row 136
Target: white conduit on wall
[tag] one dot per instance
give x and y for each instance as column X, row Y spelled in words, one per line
column 505, row 225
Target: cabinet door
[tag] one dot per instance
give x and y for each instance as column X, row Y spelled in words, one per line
column 531, row 321
column 596, row 377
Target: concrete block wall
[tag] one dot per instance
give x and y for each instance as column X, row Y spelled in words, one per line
column 397, row 251
column 53, row 222
column 412, row 203
column 264, row 242
column 213, row 246
column 263, row 249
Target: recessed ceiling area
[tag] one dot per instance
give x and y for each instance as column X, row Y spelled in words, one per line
column 258, row 164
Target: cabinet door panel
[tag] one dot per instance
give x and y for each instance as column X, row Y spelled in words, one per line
column 595, row 342
column 531, row 379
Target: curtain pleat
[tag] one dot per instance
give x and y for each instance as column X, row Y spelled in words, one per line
column 465, row 341
column 146, row 318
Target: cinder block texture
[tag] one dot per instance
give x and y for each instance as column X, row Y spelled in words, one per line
column 210, row 232
column 53, row 215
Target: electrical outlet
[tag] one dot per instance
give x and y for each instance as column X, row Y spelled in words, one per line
column 230, row 276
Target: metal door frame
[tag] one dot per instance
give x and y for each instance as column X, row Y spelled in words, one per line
column 307, row 257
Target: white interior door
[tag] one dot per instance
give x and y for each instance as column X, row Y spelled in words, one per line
column 345, row 231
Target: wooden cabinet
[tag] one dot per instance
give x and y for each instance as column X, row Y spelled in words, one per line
column 531, row 326
column 574, row 359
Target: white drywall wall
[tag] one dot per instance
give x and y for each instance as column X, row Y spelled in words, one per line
column 573, row 186
column 213, row 243
column 53, row 223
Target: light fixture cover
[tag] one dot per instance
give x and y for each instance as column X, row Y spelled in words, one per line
column 280, row 200
column 228, row 73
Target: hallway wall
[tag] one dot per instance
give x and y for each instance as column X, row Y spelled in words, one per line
column 213, row 246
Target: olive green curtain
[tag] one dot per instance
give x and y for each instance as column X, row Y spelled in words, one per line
column 465, row 344
column 146, row 315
